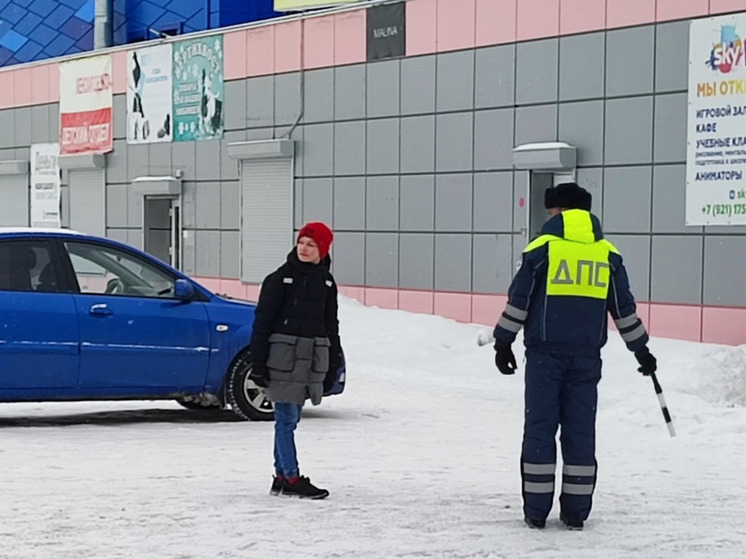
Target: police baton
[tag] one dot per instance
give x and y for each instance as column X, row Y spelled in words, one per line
column 662, row 402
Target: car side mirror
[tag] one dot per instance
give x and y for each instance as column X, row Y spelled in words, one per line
column 183, row 290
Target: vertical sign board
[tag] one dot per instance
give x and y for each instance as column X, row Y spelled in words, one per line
column 149, row 95
column 45, row 185
column 386, row 27
column 198, row 91
column 716, row 127
column 86, row 105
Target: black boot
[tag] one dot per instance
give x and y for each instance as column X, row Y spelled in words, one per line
column 303, row 488
column 571, row 524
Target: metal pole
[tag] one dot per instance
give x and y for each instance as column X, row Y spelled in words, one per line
column 102, row 24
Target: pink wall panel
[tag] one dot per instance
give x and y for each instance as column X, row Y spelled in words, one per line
column 495, row 22
column 421, row 31
column 7, row 92
column 486, row 309
column 213, row 284
column 22, row 87
column 54, row 82
column 353, row 292
column 453, row 305
column 537, row 18
column 416, row 301
column 721, row 6
column 260, row 55
column 621, row 13
column 232, row 288
column 39, row 85
column 579, row 16
column 383, row 298
column 287, row 46
column 252, row 292
column 680, row 9
column 455, row 24
column 318, row 42
column 724, row 326
column 672, row 321
column 119, row 69
column 234, row 44
column 350, row 37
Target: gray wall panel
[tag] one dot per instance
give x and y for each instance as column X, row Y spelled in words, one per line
column 235, row 105
column 669, row 143
column 184, row 159
column 453, row 262
column 493, row 270
column 725, row 271
column 416, row 259
column 418, row 85
column 417, row 204
column 455, row 81
column 349, row 258
column 493, row 139
column 116, row 205
column 230, row 202
column 382, row 259
column 287, row 98
column 582, row 66
column 207, row 200
column 298, row 204
column 535, row 124
column 635, row 251
column 418, row 144
column 228, row 165
column 591, row 178
column 317, row 200
column 383, row 88
column 7, row 122
column 119, row 108
column 230, row 252
column 349, row 204
column 40, row 125
column 188, row 205
column 536, row 72
column 669, row 200
column 453, row 202
column 159, row 156
column 54, row 122
column 319, row 98
column 349, row 148
column 494, row 76
column 260, row 102
column 134, row 212
column 454, row 140
column 629, row 64
column 207, row 253
column 629, row 131
column 138, row 161
column 349, row 92
column 493, row 201
column 582, row 125
column 188, row 258
column 382, row 152
column 672, row 56
column 382, row 204
column 208, row 160
column 318, row 149
column 627, row 187
column 667, row 287
column 116, row 163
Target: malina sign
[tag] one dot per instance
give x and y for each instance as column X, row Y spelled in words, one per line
column 716, row 128
column 86, row 105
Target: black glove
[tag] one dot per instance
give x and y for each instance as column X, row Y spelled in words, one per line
column 259, row 374
column 504, row 358
column 648, row 364
column 331, row 376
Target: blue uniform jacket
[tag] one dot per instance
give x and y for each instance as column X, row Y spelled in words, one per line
column 570, row 277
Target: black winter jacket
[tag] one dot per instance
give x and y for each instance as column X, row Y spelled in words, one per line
column 297, row 299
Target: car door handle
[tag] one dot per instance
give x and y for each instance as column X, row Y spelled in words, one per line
column 101, row 310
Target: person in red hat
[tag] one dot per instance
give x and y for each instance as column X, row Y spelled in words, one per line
column 295, row 347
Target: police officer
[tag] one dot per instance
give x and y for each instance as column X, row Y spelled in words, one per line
column 569, row 279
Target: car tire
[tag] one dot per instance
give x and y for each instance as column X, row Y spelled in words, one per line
column 247, row 399
column 192, row 404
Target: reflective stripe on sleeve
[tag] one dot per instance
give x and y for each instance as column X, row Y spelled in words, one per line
column 626, row 321
column 515, row 312
column 509, row 325
column 638, row 332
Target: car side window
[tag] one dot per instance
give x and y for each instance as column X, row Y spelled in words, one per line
column 105, row 270
column 27, row 266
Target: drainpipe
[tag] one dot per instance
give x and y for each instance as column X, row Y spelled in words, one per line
column 102, row 24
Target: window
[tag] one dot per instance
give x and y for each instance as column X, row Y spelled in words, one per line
column 104, row 270
column 26, row 266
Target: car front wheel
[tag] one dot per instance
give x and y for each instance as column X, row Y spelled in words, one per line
column 247, row 399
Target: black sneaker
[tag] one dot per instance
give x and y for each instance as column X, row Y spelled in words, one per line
column 534, row 523
column 303, row 489
column 571, row 524
column 277, row 482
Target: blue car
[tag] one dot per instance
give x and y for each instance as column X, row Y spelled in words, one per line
column 88, row 318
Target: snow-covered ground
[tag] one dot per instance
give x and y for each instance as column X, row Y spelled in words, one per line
column 421, row 455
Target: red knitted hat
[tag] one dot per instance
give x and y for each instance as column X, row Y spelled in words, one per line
column 320, row 233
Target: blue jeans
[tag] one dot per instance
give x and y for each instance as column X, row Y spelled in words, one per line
column 287, row 416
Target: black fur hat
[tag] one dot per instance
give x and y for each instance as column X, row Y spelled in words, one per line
column 568, row 195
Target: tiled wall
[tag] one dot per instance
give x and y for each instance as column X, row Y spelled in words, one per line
column 410, row 159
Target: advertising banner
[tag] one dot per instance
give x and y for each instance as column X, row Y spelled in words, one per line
column 149, row 95
column 45, row 185
column 300, row 5
column 198, row 91
column 386, row 26
column 85, row 105
column 716, row 125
